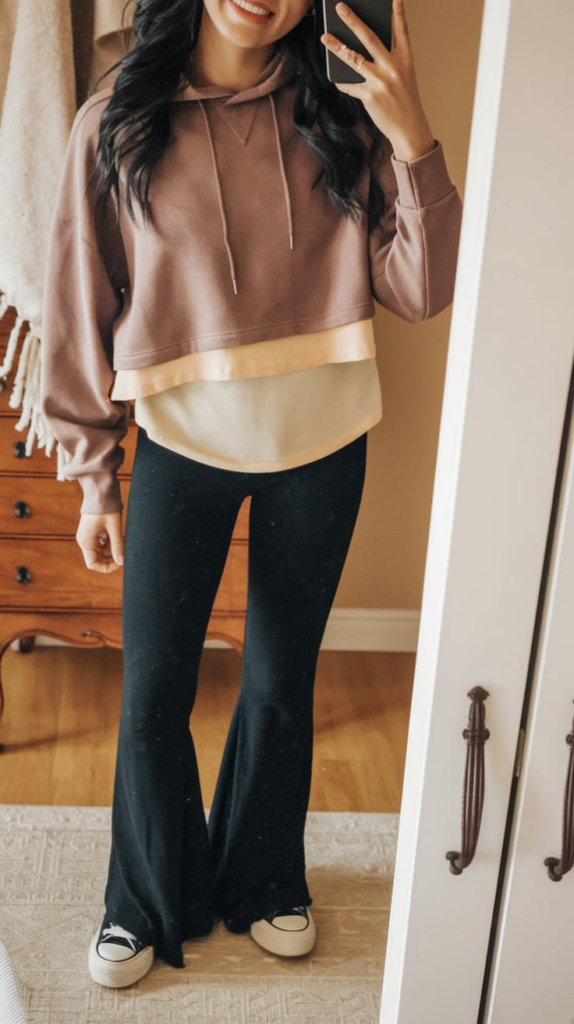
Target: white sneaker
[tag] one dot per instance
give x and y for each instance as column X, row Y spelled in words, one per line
column 286, row 932
column 117, row 958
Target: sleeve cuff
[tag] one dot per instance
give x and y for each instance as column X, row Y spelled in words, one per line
column 101, row 493
column 423, row 181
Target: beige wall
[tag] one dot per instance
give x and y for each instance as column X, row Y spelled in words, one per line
column 386, row 563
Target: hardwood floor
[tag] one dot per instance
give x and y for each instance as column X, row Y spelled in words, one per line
column 60, row 726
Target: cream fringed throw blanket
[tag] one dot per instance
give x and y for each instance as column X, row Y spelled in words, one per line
column 51, row 54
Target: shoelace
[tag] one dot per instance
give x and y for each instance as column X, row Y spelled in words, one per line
column 117, row 930
column 302, row 911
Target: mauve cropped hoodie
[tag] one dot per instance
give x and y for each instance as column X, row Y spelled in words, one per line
column 243, row 248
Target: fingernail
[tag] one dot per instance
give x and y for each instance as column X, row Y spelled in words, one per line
column 342, row 9
column 120, row 560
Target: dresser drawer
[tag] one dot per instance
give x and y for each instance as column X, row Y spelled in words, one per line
column 13, row 459
column 60, row 579
column 54, row 503
column 50, row 506
column 36, row 505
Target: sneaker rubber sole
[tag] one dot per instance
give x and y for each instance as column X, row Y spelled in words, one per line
column 118, row 974
column 288, row 940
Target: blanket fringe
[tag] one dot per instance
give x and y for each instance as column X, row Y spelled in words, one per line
column 26, row 390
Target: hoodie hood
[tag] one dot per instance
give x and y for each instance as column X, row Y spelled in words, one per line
column 276, row 73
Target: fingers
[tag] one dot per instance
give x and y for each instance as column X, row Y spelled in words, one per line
column 99, row 537
column 116, row 539
column 370, row 40
column 399, row 29
column 382, row 64
column 94, row 560
column 351, row 57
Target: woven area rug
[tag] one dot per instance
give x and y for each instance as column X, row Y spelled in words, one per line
column 53, row 865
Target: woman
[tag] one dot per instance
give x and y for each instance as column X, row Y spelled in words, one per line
column 259, row 210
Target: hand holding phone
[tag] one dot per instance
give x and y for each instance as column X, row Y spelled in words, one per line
column 392, row 100
column 377, row 15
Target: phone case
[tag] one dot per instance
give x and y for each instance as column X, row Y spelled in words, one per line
column 375, row 13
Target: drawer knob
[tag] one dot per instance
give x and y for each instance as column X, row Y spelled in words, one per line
column 22, row 509
column 23, row 575
column 19, row 450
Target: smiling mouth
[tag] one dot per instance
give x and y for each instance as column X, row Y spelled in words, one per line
column 254, row 9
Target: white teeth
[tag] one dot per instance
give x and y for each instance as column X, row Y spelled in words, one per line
column 251, row 7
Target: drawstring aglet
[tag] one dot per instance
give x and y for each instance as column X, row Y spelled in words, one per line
column 234, row 285
column 291, row 238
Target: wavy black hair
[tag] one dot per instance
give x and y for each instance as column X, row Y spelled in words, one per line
column 137, row 116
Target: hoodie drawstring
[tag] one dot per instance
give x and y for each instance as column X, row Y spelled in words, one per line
column 219, row 192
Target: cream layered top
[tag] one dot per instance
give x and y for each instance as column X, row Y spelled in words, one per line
column 261, row 407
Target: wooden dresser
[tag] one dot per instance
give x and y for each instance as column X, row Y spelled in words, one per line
column 45, row 587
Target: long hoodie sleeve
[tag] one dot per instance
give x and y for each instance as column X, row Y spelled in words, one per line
column 413, row 251
column 82, row 298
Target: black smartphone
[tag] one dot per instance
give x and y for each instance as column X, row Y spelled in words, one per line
column 375, row 13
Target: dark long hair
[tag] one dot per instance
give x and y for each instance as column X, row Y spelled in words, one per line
column 137, row 116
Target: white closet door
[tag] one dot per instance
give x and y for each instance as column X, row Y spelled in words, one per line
column 508, row 370
column 533, row 971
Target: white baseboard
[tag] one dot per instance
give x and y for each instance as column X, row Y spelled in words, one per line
column 371, row 629
column 348, row 629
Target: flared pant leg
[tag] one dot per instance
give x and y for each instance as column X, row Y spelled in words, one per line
column 301, row 526
column 179, row 524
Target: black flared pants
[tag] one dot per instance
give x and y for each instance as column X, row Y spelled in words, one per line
column 172, row 874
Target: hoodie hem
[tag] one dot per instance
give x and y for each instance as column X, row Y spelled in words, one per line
column 231, row 339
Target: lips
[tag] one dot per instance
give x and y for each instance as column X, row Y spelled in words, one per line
column 253, row 14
